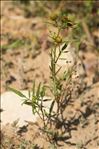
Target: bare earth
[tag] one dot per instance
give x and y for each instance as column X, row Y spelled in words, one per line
column 30, row 61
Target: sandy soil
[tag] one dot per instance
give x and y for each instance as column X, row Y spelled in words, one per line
column 27, row 60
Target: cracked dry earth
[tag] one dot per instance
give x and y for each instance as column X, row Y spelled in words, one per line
column 20, row 67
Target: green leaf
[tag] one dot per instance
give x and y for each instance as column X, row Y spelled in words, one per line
column 64, row 47
column 58, row 70
column 29, row 94
column 51, row 107
column 17, row 92
column 16, row 44
column 46, row 114
column 42, row 92
column 38, row 90
column 27, row 103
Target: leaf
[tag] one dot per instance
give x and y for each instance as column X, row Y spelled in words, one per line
column 17, row 92
column 34, row 109
column 38, row 90
column 51, row 107
column 29, row 94
column 27, row 103
column 64, row 47
column 46, row 113
column 50, row 68
column 42, row 92
column 15, row 44
column 58, row 70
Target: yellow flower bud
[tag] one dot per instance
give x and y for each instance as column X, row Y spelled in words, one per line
column 58, row 39
column 54, row 16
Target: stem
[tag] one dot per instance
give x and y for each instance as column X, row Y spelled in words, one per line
column 58, row 54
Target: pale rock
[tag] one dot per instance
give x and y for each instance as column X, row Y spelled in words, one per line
column 67, row 60
column 13, row 109
column 68, row 57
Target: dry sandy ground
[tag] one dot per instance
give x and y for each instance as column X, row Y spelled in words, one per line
column 27, row 62
column 82, row 128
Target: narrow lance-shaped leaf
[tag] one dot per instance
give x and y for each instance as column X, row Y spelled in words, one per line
column 17, row 92
column 27, row 103
column 38, row 90
column 42, row 92
column 51, row 107
column 29, row 94
column 58, row 70
column 50, row 68
column 33, row 109
column 33, row 104
column 64, row 47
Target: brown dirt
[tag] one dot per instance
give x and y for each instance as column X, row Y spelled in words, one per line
column 23, row 64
